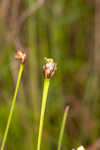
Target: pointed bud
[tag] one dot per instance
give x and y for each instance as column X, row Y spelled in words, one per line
column 20, row 56
column 49, row 68
column 67, row 109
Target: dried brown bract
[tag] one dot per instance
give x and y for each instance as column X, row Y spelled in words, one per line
column 20, row 56
column 49, row 68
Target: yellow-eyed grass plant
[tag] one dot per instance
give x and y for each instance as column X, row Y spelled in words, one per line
column 21, row 57
column 62, row 128
column 48, row 69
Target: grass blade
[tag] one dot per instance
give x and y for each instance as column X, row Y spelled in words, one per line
column 62, row 128
column 12, row 108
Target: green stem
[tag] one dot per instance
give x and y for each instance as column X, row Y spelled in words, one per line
column 12, row 108
column 62, row 128
column 44, row 99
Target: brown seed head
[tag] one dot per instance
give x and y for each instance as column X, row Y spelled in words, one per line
column 20, row 56
column 49, row 68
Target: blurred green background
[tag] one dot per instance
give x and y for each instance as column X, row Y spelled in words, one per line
column 63, row 30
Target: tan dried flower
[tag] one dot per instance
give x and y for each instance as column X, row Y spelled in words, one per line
column 20, row 56
column 49, row 68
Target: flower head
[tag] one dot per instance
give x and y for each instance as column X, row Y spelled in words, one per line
column 20, row 56
column 81, row 148
column 49, row 68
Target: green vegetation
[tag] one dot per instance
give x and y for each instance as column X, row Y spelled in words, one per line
column 62, row 30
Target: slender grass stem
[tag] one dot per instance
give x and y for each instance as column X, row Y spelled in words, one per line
column 12, row 108
column 62, row 128
column 44, row 99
